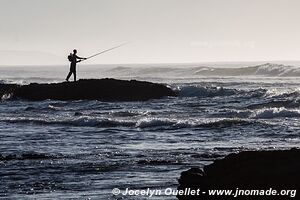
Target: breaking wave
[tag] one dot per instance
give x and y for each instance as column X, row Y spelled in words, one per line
column 213, row 123
column 143, row 123
column 287, row 103
column 276, row 113
column 267, row 70
column 200, row 91
column 209, row 91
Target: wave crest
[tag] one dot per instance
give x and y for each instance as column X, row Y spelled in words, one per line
column 200, row 91
column 270, row 69
column 210, row 91
column 144, row 123
column 276, row 113
column 267, row 69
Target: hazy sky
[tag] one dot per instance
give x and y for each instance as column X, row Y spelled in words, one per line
column 45, row 31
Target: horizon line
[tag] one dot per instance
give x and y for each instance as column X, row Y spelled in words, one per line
column 155, row 63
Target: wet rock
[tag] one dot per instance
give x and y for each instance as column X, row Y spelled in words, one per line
column 250, row 170
column 91, row 89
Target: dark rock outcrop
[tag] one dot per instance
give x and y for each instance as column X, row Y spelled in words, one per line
column 7, row 89
column 250, row 170
column 91, row 89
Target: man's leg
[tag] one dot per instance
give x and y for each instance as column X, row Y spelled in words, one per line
column 74, row 76
column 69, row 74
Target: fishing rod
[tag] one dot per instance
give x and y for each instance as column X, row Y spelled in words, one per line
column 105, row 51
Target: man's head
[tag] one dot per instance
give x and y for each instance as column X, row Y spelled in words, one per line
column 74, row 51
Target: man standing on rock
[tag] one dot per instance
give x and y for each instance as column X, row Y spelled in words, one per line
column 73, row 59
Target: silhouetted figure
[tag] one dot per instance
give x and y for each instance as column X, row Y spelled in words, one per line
column 73, row 59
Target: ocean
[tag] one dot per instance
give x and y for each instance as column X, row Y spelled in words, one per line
column 83, row 149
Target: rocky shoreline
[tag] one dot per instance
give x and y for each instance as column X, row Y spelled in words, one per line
column 88, row 89
column 259, row 171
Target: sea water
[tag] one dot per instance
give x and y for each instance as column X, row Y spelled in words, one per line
column 83, row 149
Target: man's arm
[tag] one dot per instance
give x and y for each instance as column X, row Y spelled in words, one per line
column 80, row 58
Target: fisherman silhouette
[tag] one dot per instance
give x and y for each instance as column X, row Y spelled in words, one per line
column 73, row 59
